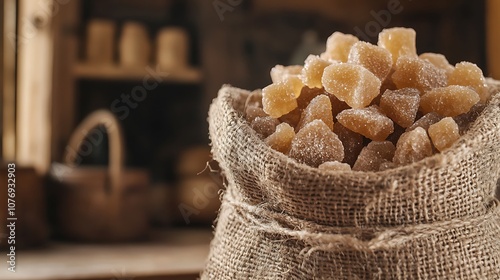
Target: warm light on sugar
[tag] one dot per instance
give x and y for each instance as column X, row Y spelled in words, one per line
column 325, row 112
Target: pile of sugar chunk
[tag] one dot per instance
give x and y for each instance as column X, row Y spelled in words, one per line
column 366, row 107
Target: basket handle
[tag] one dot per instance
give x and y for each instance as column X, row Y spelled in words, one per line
column 116, row 145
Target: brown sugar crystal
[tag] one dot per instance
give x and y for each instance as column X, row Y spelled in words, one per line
column 292, row 118
column 296, row 83
column 388, row 83
column 464, row 121
column 444, row 133
column 449, row 101
column 279, row 72
column 439, row 61
column 352, row 142
column 412, row 146
column 319, row 108
column 401, row 105
column 281, row 139
column 315, row 143
column 468, row 74
column 369, row 122
column 425, row 121
column 338, row 46
column 337, row 105
column 264, row 126
column 374, row 58
column 394, row 137
column 413, row 72
column 351, row 83
column 399, row 42
column 373, row 155
column 313, row 71
column 278, row 99
column 334, row 166
column 307, row 94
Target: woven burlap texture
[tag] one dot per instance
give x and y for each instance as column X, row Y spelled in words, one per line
column 433, row 219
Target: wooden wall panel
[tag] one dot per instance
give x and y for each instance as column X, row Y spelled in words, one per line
column 34, row 88
column 8, row 86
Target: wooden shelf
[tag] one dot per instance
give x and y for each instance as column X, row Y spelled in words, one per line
column 173, row 254
column 118, row 73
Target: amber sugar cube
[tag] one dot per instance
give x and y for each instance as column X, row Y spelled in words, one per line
column 278, row 99
column 425, row 121
column 439, row 61
column 449, row 101
column 320, row 108
column 313, row 71
column 468, row 74
column 352, row 142
column 279, row 72
column 369, row 122
column 412, row 146
column 399, row 42
column 413, row 72
column 264, row 126
column 351, row 83
column 338, row 46
column 401, row 105
column 334, row 166
column 315, row 143
column 281, row 139
column 374, row 58
column 444, row 133
column 373, row 155
column 295, row 82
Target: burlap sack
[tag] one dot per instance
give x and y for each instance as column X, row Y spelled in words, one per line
column 434, row 219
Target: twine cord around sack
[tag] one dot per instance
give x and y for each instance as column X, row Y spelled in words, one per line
column 319, row 237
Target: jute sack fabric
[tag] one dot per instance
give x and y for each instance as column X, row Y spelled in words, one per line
column 434, row 219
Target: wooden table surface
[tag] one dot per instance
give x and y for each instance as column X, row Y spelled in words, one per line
column 174, row 254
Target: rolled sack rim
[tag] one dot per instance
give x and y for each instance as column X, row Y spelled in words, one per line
column 227, row 96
